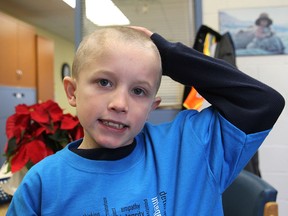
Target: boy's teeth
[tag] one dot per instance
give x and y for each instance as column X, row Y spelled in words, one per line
column 115, row 125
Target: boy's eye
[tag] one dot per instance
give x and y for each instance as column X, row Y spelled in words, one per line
column 105, row 83
column 138, row 91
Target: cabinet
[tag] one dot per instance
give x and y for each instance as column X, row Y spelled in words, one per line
column 17, row 53
column 21, row 80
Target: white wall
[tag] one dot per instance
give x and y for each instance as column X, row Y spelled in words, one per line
column 272, row 70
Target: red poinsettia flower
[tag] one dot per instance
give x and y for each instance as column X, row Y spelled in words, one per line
column 69, row 122
column 33, row 151
column 37, row 131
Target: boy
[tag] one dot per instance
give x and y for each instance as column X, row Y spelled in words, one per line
column 124, row 166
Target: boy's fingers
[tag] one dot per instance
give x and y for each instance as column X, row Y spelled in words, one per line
column 142, row 29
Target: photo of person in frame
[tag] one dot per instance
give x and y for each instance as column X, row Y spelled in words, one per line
column 264, row 34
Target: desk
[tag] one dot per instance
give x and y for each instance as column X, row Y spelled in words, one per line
column 3, row 209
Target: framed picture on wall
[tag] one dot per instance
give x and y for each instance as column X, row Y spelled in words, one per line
column 257, row 31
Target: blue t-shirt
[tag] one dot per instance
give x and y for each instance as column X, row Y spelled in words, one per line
column 177, row 168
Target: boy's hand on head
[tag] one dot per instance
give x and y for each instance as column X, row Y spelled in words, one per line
column 142, row 29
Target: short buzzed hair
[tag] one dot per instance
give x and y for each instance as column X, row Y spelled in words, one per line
column 95, row 44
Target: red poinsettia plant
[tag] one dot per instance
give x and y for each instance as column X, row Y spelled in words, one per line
column 36, row 131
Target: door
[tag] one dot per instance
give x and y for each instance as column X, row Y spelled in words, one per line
column 45, row 69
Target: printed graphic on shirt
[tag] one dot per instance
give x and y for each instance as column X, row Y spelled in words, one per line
column 155, row 206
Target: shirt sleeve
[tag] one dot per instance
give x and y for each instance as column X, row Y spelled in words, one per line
column 244, row 101
column 227, row 148
column 26, row 198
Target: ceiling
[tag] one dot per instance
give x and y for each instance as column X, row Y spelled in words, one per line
column 167, row 17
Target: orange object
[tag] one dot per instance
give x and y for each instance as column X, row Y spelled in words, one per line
column 194, row 100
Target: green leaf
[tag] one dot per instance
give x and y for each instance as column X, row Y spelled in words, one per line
column 29, row 164
column 12, row 146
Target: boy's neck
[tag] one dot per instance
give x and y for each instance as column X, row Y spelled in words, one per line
column 105, row 153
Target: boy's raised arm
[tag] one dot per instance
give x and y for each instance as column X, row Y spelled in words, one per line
column 246, row 102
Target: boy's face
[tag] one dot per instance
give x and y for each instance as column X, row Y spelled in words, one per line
column 114, row 95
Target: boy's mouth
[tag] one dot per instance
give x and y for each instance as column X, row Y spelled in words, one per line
column 113, row 124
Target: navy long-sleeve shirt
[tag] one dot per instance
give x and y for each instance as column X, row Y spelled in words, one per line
column 246, row 102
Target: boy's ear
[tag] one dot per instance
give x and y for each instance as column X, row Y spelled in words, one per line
column 70, row 88
column 156, row 103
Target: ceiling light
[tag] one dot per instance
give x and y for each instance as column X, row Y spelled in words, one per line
column 105, row 13
column 71, row 3
column 102, row 12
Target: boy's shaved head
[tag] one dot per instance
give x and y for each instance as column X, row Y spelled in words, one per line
column 96, row 44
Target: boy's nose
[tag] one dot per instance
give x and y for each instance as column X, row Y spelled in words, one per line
column 119, row 102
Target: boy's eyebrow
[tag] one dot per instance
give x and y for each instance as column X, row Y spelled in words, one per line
column 103, row 72
column 142, row 82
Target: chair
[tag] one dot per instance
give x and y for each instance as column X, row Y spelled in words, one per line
column 250, row 195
